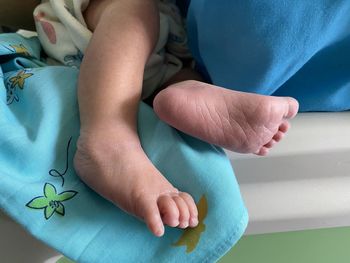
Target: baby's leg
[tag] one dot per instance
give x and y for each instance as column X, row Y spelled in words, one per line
column 238, row 121
column 109, row 155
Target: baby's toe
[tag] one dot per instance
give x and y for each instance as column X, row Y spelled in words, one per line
column 270, row 144
column 192, row 208
column 263, row 151
column 184, row 213
column 292, row 108
column 284, row 127
column 278, row 136
column 152, row 218
column 168, row 210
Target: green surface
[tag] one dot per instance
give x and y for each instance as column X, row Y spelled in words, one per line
column 320, row 246
column 330, row 245
column 64, row 260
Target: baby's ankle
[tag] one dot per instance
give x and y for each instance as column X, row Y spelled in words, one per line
column 108, row 138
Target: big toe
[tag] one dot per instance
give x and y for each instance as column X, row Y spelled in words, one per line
column 292, row 107
column 149, row 211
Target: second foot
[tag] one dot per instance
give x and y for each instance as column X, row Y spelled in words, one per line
column 238, row 121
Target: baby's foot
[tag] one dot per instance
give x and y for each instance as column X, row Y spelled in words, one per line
column 122, row 173
column 238, row 121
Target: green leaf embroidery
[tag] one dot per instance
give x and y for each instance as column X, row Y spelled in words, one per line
column 38, row 203
column 49, row 210
column 51, row 202
column 49, row 191
column 66, row 195
column 60, row 209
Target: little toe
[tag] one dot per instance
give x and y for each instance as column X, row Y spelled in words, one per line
column 184, row 215
column 292, row 108
column 263, row 151
column 152, row 218
column 278, row 136
column 193, row 221
column 168, row 210
column 270, row 144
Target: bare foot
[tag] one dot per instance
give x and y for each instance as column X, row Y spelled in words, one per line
column 122, row 173
column 238, row 121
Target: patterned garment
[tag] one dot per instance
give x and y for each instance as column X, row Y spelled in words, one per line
column 64, row 36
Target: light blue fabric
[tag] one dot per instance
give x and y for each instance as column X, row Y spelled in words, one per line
column 286, row 48
column 38, row 187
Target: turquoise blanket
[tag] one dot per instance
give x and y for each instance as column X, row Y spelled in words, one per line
column 39, row 127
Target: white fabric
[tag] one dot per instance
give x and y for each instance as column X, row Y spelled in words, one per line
column 304, row 182
column 64, row 36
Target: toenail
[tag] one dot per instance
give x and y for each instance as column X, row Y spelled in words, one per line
column 184, row 224
column 194, row 221
column 175, row 222
column 159, row 232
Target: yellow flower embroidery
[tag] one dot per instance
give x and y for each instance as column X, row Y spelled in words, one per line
column 191, row 236
column 20, row 78
column 21, row 49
